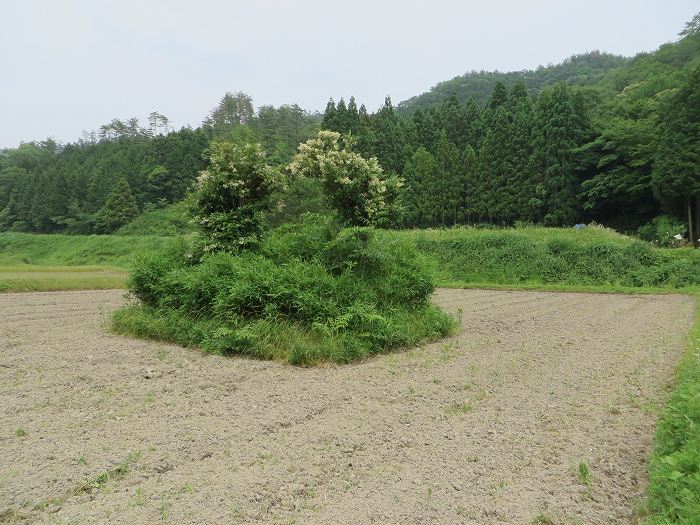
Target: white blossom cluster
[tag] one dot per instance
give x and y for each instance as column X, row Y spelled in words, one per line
column 361, row 190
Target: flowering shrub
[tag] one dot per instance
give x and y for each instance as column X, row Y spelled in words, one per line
column 363, row 194
column 232, row 195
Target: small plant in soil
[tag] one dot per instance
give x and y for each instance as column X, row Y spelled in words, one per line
column 584, row 474
column 542, row 519
column 458, row 408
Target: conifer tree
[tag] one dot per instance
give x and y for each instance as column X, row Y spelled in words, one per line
column 553, row 143
column 453, row 121
column 342, row 125
column 473, row 127
column 493, row 193
column 353, row 118
column 449, row 190
column 499, row 96
column 329, row 116
column 119, row 209
column 420, row 202
column 468, row 165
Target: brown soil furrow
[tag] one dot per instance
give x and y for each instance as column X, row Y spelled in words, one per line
column 485, row 427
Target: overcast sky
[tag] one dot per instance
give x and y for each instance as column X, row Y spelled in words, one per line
column 69, row 66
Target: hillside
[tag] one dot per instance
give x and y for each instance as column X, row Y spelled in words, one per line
column 581, row 70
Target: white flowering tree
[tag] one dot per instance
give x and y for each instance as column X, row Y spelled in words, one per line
column 232, row 195
column 358, row 187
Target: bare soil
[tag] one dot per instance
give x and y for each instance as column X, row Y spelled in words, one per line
column 487, row 427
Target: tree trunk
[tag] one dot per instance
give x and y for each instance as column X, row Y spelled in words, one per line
column 691, row 234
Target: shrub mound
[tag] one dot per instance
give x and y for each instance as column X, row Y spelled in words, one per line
column 309, row 293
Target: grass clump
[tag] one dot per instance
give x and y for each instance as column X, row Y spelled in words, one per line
column 309, row 293
column 584, row 473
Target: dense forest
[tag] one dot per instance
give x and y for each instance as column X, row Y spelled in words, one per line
column 597, row 138
column 110, row 176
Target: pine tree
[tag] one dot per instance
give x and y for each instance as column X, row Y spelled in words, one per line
column 499, row 96
column 449, row 190
column 119, row 209
column 493, row 197
column 473, row 123
column 353, row 117
column 341, row 122
column 554, row 139
column 420, row 203
column 427, row 128
column 468, row 165
column 389, row 138
column 329, row 116
column 523, row 185
column 453, row 121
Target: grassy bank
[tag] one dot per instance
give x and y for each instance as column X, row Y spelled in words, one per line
column 30, row 262
column 74, row 250
column 170, row 220
column 674, row 470
column 537, row 256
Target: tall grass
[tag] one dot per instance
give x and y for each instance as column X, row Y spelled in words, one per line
column 548, row 256
column 74, row 250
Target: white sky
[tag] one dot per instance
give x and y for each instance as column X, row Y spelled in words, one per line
column 72, row 65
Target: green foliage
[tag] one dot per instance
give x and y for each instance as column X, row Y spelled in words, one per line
column 583, row 69
column 169, row 220
column 674, row 471
column 302, row 195
column 119, row 209
column 75, row 250
column 662, row 231
column 311, row 293
column 232, row 196
column 584, row 473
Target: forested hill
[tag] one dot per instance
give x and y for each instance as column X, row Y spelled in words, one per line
column 598, row 138
column 584, row 69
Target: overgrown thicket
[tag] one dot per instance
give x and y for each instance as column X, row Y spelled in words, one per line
column 305, row 292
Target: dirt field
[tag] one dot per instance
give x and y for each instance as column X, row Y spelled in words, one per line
column 488, row 427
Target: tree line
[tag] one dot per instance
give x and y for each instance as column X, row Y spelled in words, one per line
column 616, row 141
column 620, row 153
column 104, row 180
